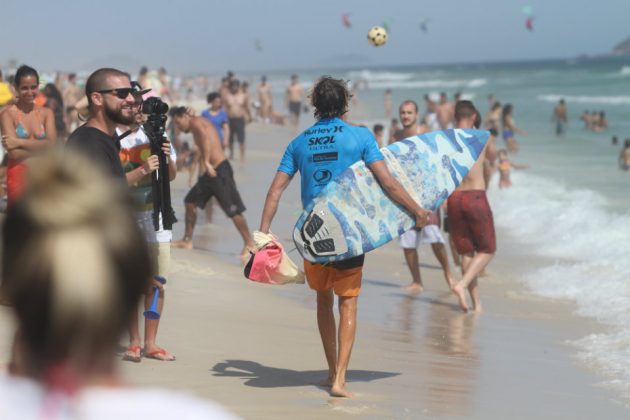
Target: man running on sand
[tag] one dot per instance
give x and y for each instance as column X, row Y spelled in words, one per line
column 430, row 234
column 470, row 219
column 310, row 157
column 215, row 179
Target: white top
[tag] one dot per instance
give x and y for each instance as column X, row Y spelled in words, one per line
column 25, row 399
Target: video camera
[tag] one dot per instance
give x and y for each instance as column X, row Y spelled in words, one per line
column 155, row 127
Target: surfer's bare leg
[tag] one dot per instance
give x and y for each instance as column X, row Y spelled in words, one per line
column 347, row 331
column 472, row 265
column 191, row 219
column 411, row 257
column 439, row 250
column 328, row 332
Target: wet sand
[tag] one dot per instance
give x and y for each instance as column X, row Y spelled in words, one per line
column 256, row 350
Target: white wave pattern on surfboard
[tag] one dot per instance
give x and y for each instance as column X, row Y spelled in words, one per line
column 352, row 215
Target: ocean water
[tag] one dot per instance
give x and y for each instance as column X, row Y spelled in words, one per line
column 572, row 205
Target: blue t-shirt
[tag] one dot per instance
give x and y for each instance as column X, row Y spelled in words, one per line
column 217, row 120
column 324, row 150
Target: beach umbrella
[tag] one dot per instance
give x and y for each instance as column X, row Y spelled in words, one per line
column 345, row 20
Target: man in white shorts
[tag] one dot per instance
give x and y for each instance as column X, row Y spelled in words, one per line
column 430, row 234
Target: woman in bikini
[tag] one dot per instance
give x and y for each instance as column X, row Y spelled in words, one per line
column 26, row 128
column 509, row 128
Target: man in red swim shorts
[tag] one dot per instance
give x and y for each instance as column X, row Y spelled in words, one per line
column 469, row 216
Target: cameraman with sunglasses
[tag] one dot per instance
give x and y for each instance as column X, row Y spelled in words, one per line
column 110, row 103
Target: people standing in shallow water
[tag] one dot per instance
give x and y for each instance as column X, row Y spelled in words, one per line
column 429, row 234
column 75, row 267
column 471, row 224
column 560, row 118
column 330, row 100
column 510, row 128
column 624, row 156
column 26, row 128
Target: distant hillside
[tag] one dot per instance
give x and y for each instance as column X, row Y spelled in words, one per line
column 622, row 47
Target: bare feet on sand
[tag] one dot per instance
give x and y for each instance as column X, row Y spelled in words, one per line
column 461, row 297
column 328, row 382
column 413, row 288
column 338, row 390
column 184, row 244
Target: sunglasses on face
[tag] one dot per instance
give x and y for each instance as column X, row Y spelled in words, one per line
column 120, row 93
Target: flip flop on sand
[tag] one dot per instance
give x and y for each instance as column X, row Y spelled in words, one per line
column 130, row 354
column 160, row 354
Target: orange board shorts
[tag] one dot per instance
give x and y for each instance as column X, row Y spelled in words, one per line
column 345, row 282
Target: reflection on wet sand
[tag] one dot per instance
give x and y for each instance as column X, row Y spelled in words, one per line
column 448, row 355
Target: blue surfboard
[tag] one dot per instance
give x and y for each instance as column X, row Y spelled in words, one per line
column 353, row 215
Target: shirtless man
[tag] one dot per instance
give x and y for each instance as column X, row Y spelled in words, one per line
column 237, row 107
column 294, row 98
column 429, row 234
column 470, row 218
column 624, row 156
column 71, row 95
column 263, row 92
column 560, row 117
column 215, row 179
column 444, row 112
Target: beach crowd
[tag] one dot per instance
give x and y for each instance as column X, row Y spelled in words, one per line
column 76, row 147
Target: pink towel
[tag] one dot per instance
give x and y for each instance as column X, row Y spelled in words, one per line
column 270, row 264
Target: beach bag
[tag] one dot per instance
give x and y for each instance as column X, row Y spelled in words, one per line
column 270, row 264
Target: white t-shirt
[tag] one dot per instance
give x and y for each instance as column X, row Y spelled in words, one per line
column 25, row 399
column 134, row 150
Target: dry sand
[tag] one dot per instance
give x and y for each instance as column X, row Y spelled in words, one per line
column 256, row 350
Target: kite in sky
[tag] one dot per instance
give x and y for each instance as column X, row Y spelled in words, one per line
column 345, row 20
column 529, row 20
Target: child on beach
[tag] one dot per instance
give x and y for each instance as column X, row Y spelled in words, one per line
column 505, row 166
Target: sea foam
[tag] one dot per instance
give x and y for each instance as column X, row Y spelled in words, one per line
column 589, row 245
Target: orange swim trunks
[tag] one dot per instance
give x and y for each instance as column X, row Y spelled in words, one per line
column 345, row 282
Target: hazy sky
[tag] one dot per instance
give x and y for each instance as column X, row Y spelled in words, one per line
column 211, row 36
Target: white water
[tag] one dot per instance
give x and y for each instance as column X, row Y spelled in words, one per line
column 590, row 246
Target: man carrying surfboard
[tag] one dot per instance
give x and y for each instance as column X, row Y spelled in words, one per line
column 469, row 216
column 320, row 153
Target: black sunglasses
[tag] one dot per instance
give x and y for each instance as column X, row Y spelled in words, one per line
column 121, row 93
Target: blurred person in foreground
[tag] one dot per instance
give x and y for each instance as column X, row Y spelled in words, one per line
column 343, row 278
column 71, row 315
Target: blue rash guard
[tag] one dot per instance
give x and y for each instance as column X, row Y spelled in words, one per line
column 325, row 150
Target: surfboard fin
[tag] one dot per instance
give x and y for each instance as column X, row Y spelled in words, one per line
column 322, row 234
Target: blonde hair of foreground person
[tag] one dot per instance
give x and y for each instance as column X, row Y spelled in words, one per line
column 75, row 267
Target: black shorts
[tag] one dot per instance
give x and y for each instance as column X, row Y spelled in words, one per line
column 237, row 129
column 295, row 107
column 222, row 187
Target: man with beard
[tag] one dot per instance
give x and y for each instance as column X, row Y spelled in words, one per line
column 429, row 234
column 110, row 103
